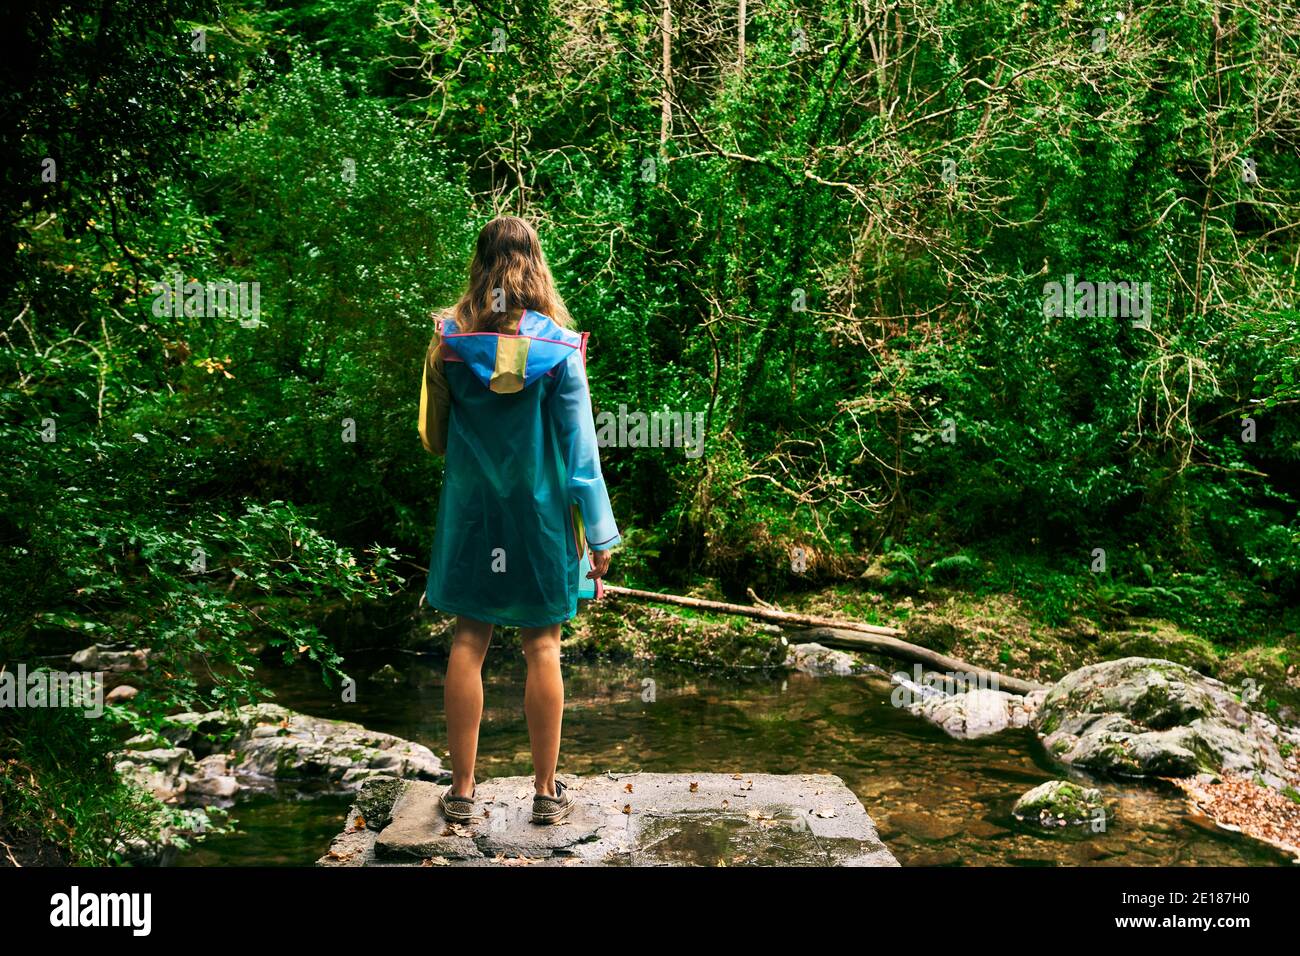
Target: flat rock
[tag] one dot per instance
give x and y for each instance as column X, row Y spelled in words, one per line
column 271, row 745
column 216, row 756
column 645, row 819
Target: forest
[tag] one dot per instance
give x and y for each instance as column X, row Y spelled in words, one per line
column 981, row 320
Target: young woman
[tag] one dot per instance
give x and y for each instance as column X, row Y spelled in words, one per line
column 505, row 399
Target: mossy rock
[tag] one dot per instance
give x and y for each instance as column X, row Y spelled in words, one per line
column 598, row 630
column 388, row 674
column 1060, row 803
column 956, row 569
column 1142, row 717
column 875, row 574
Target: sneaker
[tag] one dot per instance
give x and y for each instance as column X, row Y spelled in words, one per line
column 552, row 809
column 457, row 809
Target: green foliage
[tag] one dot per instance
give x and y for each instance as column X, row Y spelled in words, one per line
column 58, row 782
column 148, row 480
column 356, row 233
column 104, row 100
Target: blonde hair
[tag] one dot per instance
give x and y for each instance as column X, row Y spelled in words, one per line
column 507, row 274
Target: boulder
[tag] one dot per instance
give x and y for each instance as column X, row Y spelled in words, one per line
column 1148, row 717
column 1059, row 803
column 121, row 694
column 115, row 667
column 98, row 658
column 978, row 713
column 162, row 771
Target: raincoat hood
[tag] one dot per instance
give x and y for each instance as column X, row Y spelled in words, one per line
column 510, row 363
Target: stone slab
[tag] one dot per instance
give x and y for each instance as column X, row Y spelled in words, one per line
column 644, row 819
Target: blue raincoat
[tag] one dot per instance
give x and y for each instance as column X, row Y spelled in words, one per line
column 522, row 495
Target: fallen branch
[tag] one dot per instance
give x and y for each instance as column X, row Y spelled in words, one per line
column 893, row 647
column 844, row 634
column 745, row 610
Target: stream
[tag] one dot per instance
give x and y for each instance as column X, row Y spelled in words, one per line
column 935, row 800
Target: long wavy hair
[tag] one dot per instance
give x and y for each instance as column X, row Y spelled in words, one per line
column 508, row 274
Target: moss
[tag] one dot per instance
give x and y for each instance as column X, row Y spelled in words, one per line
column 993, row 630
column 1059, row 803
column 1116, row 758
column 375, row 800
column 648, row 631
column 1263, row 670
column 932, row 632
column 1162, row 640
column 1159, row 708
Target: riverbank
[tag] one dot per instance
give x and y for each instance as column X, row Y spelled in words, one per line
column 996, row 631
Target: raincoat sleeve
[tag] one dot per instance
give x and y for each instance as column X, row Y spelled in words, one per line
column 435, row 401
column 576, row 429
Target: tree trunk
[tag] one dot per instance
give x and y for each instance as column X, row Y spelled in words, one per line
column 666, row 28
column 740, row 37
column 759, row 613
column 893, row 647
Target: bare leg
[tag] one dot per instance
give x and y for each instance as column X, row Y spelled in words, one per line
column 463, row 700
column 543, row 702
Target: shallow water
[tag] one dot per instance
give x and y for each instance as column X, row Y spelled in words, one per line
column 935, row 800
